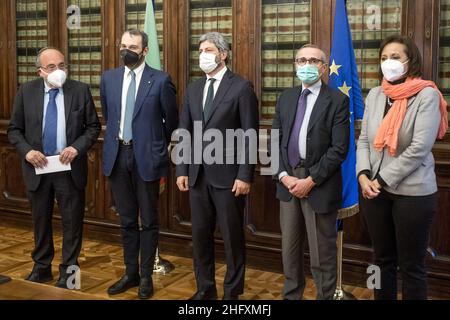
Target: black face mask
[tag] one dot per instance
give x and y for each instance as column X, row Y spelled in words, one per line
column 130, row 58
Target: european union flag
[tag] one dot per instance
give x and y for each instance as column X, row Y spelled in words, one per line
column 344, row 77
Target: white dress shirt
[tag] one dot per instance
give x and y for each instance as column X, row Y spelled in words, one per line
column 126, row 83
column 310, row 102
column 219, row 76
column 61, row 120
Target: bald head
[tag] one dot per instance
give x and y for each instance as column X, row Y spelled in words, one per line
column 48, row 61
column 49, row 56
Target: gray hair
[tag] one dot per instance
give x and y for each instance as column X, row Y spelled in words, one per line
column 219, row 41
column 40, row 52
column 310, row 45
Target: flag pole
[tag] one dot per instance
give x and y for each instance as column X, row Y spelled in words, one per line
column 160, row 265
column 344, row 77
column 340, row 294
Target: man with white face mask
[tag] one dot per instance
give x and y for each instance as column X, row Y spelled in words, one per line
column 221, row 100
column 54, row 116
column 313, row 120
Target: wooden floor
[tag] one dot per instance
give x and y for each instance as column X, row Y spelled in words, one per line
column 101, row 265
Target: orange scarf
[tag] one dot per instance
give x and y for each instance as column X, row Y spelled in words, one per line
column 387, row 135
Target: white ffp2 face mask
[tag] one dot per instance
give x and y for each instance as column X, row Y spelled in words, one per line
column 393, row 70
column 57, row 78
column 207, row 62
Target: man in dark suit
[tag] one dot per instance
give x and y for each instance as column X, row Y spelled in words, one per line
column 140, row 112
column 313, row 123
column 53, row 116
column 222, row 100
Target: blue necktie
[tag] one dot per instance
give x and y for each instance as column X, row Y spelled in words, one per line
column 51, row 124
column 293, row 146
column 129, row 109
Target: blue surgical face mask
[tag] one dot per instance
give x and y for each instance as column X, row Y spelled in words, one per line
column 308, row 74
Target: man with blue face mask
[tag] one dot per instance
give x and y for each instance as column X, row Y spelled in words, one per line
column 313, row 122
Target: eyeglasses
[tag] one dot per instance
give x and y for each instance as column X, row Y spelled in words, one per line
column 303, row 61
column 53, row 67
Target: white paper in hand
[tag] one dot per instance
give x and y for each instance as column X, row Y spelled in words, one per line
column 53, row 165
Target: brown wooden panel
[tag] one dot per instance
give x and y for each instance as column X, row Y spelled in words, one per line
column 424, row 29
column 13, row 191
column 180, row 211
column 113, row 24
column 7, row 51
column 440, row 232
column 92, row 188
column 322, row 17
column 355, row 231
column 262, row 218
column 57, row 21
column 246, row 19
column 176, row 48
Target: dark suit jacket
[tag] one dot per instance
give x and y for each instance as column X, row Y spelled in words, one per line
column 326, row 143
column 235, row 106
column 82, row 126
column 154, row 119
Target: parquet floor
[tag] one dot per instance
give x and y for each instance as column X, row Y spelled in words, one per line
column 101, row 265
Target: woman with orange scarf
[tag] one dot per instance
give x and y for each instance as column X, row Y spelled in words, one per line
column 403, row 118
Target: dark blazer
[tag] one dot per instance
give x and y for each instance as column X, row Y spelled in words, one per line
column 154, row 119
column 235, row 106
column 327, row 144
column 82, row 126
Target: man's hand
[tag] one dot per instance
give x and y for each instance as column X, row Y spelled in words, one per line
column 302, row 187
column 288, row 181
column 369, row 189
column 240, row 188
column 36, row 158
column 183, row 183
column 67, row 155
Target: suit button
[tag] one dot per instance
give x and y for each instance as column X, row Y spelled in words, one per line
column 117, row 139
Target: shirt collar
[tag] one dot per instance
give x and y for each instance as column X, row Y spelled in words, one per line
column 137, row 71
column 47, row 88
column 315, row 88
column 219, row 75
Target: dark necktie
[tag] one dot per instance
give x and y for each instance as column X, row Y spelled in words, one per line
column 209, row 99
column 51, row 124
column 293, row 147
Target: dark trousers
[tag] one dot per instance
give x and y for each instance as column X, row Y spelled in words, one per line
column 208, row 205
column 71, row 207
column 135, row 198
column 399, row 227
